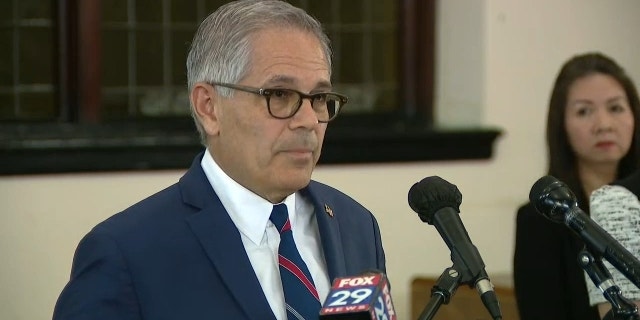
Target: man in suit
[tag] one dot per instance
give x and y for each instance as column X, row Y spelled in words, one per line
column 205, row 248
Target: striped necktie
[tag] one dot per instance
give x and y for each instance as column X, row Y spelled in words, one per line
column 300, row 293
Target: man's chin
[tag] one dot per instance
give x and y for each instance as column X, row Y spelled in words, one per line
column 296, row 180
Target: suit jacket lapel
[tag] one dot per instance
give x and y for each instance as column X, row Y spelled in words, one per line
column 222, row 243
column 326, row 215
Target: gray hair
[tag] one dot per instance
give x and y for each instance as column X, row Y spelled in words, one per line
column 221, row 47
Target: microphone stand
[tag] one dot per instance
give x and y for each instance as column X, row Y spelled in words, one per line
column 441, row 292
column 621, row 307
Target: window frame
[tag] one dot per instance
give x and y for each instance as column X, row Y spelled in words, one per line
column 78, row 142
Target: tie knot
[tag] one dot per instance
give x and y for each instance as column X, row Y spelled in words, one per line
column 280, row 217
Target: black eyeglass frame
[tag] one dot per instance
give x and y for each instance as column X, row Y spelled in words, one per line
column 268, row 92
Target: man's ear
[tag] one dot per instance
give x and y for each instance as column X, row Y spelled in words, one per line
column 204, row 100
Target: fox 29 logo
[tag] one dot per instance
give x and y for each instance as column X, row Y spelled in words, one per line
column 362, row 295
column 355, row 299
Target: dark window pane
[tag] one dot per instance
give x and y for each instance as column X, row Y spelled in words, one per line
column 7, row 109
column 6, row 10
column 148, row 11
column 385, row 12
column 351, row 11
column 361, row 97
column 322, row 10
column 162, row 102
column 149, row 66
column 115, row 50
column 181, row 42
column 387, row 98
column 183, row 11
column 115, row 105
column 180, row 105
column 384, row 57
column 351, row 63
column 34, row 9
column 37, row 106
column 212, row 5
column 114, row 10
column 336, row 59
column 6, row 58
column 36, row 55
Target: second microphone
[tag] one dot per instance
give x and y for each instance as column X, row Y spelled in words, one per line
column 437, row 202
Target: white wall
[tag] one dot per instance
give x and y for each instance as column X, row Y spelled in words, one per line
column 497, row 60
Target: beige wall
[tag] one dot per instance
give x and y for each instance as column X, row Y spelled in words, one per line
column 496, row 63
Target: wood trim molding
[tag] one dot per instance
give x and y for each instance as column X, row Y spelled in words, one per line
column 65, row 148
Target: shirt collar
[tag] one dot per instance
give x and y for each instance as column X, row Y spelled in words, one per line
column 248, row 211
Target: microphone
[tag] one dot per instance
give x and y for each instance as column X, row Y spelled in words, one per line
column 363, row 297
column 437, row 203
column 553, row 199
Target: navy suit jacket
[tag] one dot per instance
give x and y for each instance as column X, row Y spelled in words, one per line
column 178, row 255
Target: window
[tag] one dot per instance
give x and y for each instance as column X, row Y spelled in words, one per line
column 27, row 61
column 101, row 84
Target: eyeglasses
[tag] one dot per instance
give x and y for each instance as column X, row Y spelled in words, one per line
column 284, row 103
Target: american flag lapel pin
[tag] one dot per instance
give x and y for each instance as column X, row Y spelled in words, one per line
column 328, row 210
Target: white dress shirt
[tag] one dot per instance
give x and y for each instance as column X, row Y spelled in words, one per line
column 250, row 213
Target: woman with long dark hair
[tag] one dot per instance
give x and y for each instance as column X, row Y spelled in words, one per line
column 593, row 139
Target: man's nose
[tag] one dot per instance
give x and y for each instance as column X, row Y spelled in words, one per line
column 306, row 115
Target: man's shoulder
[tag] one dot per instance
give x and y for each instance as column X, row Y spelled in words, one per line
column 163, row 207
column 337, row 200
column 330, row 193
column 320, row 187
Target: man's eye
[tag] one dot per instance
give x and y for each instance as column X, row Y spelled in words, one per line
column 283, row 94
column 320, row 97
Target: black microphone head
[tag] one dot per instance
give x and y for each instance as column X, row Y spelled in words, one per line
column 552, row 198
column 432, row 194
